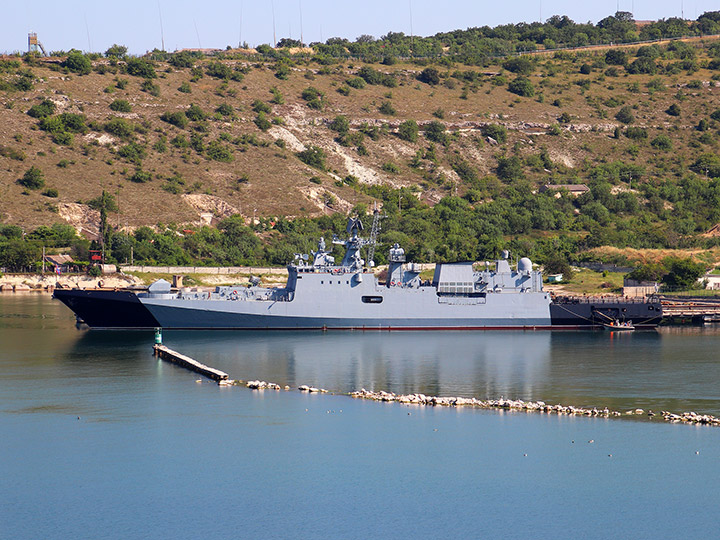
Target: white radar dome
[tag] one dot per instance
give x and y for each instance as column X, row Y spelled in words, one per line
column 524, row 265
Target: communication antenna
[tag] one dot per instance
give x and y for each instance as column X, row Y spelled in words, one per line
column 412, row 36
column 301, row 26
column 162, row 33
column 241, row 21
column 272, row 6
column 87, row 29
column 197, row 33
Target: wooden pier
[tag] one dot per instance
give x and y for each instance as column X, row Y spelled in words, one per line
column 690, row 309
column 175, row 357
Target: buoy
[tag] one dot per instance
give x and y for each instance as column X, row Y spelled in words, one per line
column 158, row 336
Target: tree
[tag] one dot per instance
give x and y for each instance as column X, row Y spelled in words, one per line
column 429, row 76
column 521, row 65
column 116, row 51
column 557, row 263
column 522, row 87
column 616, row 57
column 33, row 178
column 78, row 63
column 683, row 274
column 138, row 67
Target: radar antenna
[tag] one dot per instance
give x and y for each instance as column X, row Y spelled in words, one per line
column 374, row 231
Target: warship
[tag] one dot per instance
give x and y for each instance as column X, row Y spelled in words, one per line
column 323, row 294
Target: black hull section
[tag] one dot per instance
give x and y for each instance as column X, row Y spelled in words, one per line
column 107, row 309
column 586, row 312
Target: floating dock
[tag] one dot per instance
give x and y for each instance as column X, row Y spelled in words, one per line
column 161, row 351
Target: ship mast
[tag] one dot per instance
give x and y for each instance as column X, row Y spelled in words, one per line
column 374, row 231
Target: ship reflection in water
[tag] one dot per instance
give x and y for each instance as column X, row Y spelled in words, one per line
column 434, row 363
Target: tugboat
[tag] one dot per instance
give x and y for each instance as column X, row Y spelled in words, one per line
column 321, row 294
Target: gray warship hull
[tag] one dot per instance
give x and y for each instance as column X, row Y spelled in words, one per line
column 326, row 295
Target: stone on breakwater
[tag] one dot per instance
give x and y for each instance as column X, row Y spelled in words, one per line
column 520, row 405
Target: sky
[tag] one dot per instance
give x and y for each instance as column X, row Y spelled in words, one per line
column 142, row 25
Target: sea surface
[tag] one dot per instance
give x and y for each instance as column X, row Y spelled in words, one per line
column 98, row 439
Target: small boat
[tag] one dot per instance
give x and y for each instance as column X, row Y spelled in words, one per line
column 617, row 326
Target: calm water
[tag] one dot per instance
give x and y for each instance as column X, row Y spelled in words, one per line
column 153, row 454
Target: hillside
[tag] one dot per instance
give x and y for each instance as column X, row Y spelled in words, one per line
column 204, row 138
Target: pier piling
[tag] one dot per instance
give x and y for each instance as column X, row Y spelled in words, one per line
column 161, row 351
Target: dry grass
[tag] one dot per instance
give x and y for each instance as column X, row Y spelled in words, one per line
column 278, row 181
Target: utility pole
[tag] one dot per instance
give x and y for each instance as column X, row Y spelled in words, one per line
column 43, row 261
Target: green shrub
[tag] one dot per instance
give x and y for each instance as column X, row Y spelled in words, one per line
column 673, row 110
column 185, row 88
column 625, row 115
column 33, row 178
column 140, row 177
column 408, row 131
column 260, row 106
column 78, row 63
column 219, row 152
column 496, row 131
column 119, row 127
column 636, row 133
column 121, row 105
column 177, row 119
column 429, row 75
column 662, row 142
column 435, row 132
column 387, row 108
column 51, row 193
column 262, row 122
column 139, row 67
column 314, row 156
column 43, row 109
column 195, row 113
column 390, row 167
column 356, row 82
column 522, row 87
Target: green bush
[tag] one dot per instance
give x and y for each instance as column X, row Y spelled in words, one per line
column 141, row 177
column 119, row 127
column 314, row 156
column 435, row 132
column 121, row 105
column 139, row 67
column 522, row 87
column 219, row 152
column 662, row 142
column 429, row 75
column 177, row 119
column 356, row 82
column 33, row 178
column 625, row 115
column 496, row 131
column 519, row 64
column 185, row 88
column 78, row 63
column 387, row 108
column 408, row 131
column 195, row 113
column 43, row 109
column 260, row 106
